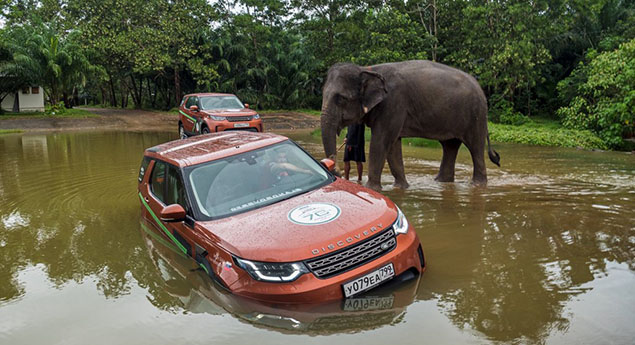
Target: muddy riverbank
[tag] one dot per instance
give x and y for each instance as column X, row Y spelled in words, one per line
column 141, row 120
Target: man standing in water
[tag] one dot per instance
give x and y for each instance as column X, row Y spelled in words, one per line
column 354, row 150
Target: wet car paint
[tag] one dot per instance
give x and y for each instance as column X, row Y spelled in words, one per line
column 268, row 235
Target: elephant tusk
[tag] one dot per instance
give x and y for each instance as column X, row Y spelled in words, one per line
column 365, row 110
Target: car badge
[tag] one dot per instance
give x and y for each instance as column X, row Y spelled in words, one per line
column 227, row 266
column 314, row 214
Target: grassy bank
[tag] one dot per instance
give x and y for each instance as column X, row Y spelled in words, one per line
column 75, row 112
column 540, row 132
column 311, row 112
column 544, row 132
column 9, row 131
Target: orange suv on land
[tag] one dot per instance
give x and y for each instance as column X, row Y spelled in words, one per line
column 201, row 113
column 267, row 221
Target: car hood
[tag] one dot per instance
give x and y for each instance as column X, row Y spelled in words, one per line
column 230, row 112
column 279, row 233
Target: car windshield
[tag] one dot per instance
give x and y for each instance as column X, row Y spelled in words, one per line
column 221, row 102
column 254, row 179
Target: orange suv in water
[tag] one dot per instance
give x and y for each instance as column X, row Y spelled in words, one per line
column 201, row 113
column 267, row 221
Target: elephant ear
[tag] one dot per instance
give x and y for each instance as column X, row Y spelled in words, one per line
column 373, row 90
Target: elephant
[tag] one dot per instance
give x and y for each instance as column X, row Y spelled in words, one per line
column 416, row 98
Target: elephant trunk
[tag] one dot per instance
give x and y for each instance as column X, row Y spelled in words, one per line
column 329, row 131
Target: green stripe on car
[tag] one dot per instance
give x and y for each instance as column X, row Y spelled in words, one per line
column 156, row 219
column 188, row 116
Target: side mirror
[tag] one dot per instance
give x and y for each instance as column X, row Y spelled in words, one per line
column 328, row 163
column 194, row 108
column 247, row 105
column 172, row 213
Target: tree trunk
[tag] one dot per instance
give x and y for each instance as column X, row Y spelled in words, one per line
column 136, row 92
column 113, row 97
column 67, row 103
column 153, row 97
column 177, row 86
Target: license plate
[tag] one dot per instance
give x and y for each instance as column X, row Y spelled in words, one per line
column 368, row 281
column 368, row 303
column 240, row 125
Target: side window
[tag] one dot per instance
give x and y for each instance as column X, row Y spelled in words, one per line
column 182, row 101
column 157, row 183
column 176, row 191
column 144, row 167
column 189, row 103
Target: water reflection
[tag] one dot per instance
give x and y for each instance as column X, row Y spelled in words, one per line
column 66, row 204
column 545, row 253
column 520, row 257
column 180, row 283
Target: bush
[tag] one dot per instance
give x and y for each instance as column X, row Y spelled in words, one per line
column 545, row 135
column 502, row 111
column 56, row 109
column 605, row 100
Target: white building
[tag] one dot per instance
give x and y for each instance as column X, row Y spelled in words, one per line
column 29, row 99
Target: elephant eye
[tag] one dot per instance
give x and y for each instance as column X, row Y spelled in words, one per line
column 340, row 100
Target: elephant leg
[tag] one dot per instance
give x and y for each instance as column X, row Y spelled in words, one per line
column 476, row 147
column 450, row 150
column 377, row 158
column 395, row 162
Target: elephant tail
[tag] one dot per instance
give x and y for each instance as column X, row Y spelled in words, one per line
column 493, row 155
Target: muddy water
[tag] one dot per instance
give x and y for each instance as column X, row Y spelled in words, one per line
column 544, row 254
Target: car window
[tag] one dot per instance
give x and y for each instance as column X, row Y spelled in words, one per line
column 190, row 102
column 157, row 182
column 144, row 167
column 221, row 102
column 254, row 179
column 175, row 190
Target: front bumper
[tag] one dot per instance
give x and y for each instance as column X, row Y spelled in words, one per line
column 220, row 126
column 310, row 289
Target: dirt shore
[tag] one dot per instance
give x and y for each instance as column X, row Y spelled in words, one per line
column 141, row 120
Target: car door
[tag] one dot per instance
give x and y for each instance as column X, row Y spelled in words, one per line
column 165, row 187
column 187, row 119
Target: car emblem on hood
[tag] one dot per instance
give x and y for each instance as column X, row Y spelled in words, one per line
column 314, row 214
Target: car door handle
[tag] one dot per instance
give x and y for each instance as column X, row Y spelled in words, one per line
column 146, row 199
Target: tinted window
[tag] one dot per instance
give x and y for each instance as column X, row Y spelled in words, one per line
column 221, row 102
column 176, row 192
column 144, row 167
column 254, row 179
column 190, row 102
column 157, row 183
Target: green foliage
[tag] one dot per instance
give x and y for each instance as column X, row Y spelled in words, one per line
column 10, row 131
column 536, row 134
column 55, row 109
column 391, row 36
column 38, row 55
column 64, row 112
column 605, row 97
column 275, row 53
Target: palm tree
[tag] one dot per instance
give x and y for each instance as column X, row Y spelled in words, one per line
column 39, row 56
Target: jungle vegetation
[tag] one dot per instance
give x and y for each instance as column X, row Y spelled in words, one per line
column 572, row 61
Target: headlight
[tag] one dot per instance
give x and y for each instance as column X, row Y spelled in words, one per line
column 401, row 224
column 256, row 117
column 217, row 118
column 272, row 271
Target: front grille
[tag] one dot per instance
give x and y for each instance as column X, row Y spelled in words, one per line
column 238, row 118
column 332, row 264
